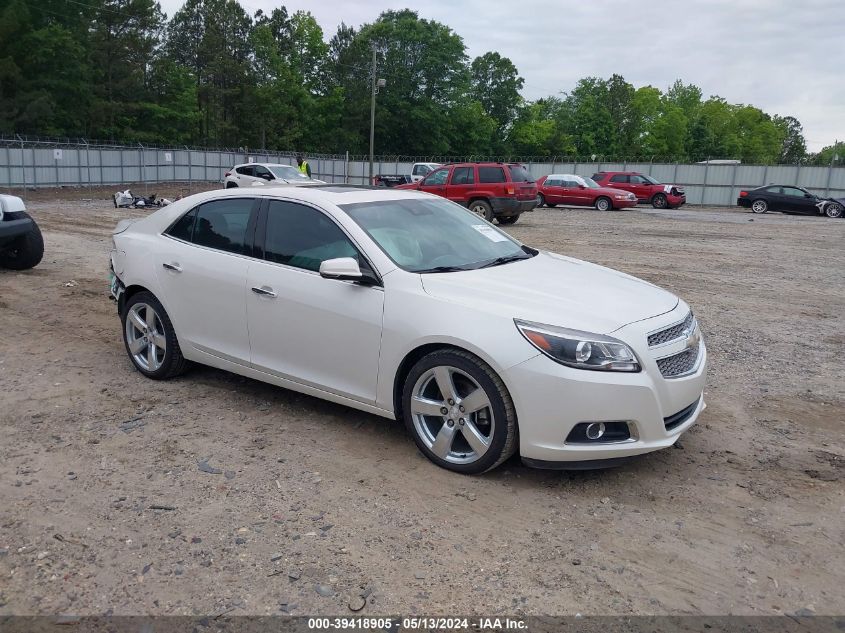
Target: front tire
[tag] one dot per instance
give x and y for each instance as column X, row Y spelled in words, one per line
column 541, row 201
column 760, row 206
column 833, row 210
column 508, row 220
column 604, row 204
column 478, row 430
column 659, row 201
column 150, row 339
column 25, row 251
column 482, row 208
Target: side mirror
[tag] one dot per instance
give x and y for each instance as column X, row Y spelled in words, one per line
column 267, row 176
column 341, row 268
column 582, row 186
column 808, row 195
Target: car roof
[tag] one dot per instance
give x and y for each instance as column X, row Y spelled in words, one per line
column 564, row 176
column 621, row 173
column 336, row 194
column 264, row 165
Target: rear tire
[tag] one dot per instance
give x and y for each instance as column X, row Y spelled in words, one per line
column 760, row 206
column 480, row 438
column 145, row 326
column 482, row 208
column 541, row 201
column 231, row 185
column 511, row 219
column 603, row 204
column 25, row 251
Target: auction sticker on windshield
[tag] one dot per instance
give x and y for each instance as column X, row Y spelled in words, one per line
column 490, row 233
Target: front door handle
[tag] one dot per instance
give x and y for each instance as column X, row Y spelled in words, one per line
column 176, row 268
column 264, row 291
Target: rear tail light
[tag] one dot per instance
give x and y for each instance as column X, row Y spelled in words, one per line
column 509, row 190
column 227, row 174
column 742, row 194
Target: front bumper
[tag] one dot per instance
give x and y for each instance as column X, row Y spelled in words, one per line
column 11, row 229
column 512, row 206
column 676, row 201
column 551, row 399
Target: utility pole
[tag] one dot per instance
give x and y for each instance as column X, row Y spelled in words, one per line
column 373, row 114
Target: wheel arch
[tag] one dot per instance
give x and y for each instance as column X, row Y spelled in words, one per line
column 424, row 349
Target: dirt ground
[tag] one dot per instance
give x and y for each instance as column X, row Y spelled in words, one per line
column 316, row 504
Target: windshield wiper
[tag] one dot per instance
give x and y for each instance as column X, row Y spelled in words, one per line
column 505, row 259
column 441, row 269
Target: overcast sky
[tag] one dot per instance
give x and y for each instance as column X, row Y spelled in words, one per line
column 784, row 56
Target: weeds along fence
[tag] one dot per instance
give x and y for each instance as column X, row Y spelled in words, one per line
column 27, row 163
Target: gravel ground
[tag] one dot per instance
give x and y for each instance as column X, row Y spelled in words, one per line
column 107, row 505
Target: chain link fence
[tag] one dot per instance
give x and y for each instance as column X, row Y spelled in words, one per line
column 27, row 163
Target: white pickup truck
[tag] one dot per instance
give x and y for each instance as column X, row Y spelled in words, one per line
column 418, row 172
column 21, row 244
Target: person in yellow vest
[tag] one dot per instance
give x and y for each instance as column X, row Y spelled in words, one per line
column 304, row 167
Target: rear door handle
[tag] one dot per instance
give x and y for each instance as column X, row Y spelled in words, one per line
column 176, row 268
column 264, row 291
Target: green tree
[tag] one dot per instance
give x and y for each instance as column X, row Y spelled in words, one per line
column 793, row 147
column 495, row 84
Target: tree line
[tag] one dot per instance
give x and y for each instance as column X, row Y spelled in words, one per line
column 213, row 75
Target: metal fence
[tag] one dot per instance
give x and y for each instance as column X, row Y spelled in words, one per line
column 28, row 163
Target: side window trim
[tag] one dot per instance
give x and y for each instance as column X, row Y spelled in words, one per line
column 261, row 238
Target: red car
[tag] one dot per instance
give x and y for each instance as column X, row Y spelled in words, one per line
column 492, row 190
column 646, row 188
column 584, row 192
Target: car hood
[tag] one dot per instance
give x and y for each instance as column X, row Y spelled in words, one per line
column 554, row 290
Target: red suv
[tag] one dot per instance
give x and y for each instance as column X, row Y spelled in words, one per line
column 646, row 188
column 492, row 190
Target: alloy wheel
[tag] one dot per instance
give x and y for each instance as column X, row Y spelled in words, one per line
column 759, row 206
column 452, row 415
column 145, row 337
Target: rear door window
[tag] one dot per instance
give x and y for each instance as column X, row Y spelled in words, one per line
column 463, row 176
column 619, row 178
column 491, row 174
column 183, row 228
column 246, row 170
column 222, row 224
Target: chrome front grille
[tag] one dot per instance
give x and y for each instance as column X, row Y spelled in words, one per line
column 678, row 364
column 672, row 333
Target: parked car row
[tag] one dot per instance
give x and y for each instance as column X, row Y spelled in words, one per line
column 789, row 199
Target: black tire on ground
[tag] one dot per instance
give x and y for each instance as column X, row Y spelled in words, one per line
column 833, row 210
column 174, row 363
column 659, row 201
column 541, row 201
column 482, row 208
column 508, row 220
column 231, row 185
column 759, row 206
column 503, row 442
column 551, row 205
column 25, row 251
column 603, row 203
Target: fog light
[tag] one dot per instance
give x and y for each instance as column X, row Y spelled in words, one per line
column 595, row 430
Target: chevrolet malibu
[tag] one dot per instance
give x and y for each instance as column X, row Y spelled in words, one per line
column 408, row 306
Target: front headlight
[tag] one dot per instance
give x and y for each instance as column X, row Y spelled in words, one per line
column 582, row 350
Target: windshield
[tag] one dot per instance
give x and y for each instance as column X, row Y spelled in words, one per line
column 436, row 235
column 589, row 182
column 287, row 172
column 650, row 179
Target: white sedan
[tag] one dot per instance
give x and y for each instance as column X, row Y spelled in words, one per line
column 406, row 305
